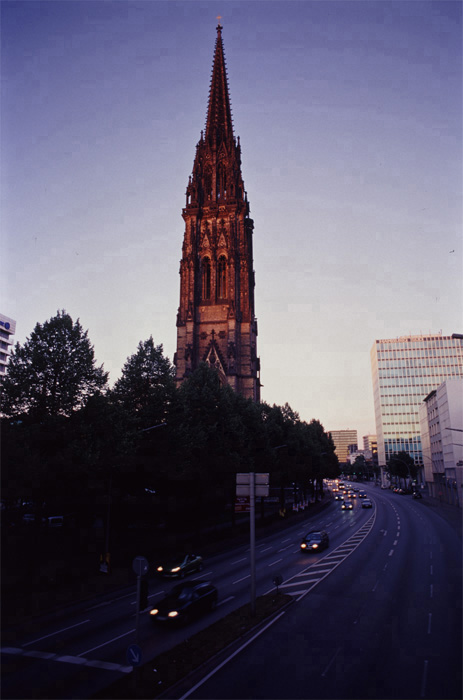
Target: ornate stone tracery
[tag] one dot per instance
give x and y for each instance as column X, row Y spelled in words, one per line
column 216, row 321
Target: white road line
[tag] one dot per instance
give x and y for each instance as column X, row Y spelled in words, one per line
column 331, row 663
column 275, row 562
column 47, row 656
column 57, row 632
column 266, row 549
column 229, row 658
column 108, row 642
column 241, row 579
column 152, row 595
column 395, row 542
column 424, row 679
column 238, row 561
column 203, row 573
column 109, row 602
column 226, row 600
column 288, row 546
column 391, row 552
column 429, row 622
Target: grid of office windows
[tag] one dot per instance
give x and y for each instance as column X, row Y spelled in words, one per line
column 404, row 371
column 7, row 330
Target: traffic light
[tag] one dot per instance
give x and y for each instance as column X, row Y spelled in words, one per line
column 143, row 593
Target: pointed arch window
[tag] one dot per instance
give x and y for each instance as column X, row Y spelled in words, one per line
column 222, row 278
column 206, row 278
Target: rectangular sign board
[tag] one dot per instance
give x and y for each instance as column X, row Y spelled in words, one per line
column 242, row 504
column 245, row 478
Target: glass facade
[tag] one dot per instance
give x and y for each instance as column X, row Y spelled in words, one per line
column 404, row 371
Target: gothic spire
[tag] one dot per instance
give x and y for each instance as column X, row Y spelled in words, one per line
column 219, row 126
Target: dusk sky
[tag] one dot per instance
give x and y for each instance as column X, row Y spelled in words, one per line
column 350, row 121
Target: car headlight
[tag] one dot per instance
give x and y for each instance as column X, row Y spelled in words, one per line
column 314, row 546
column 154, row 611
column 175, row 569
column 160, row 568
column 173, row 613
column 303, row 545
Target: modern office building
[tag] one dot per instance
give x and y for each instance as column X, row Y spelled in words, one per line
column 345, row 442
column 441, row 426
column 404, row 371
column 7, row 331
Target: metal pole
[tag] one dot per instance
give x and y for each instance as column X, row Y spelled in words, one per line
column 138, row 606
column 252, row 499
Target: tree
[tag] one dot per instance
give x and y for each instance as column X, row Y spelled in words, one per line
column 403, row 466
column 53, row 373
column 147, row 384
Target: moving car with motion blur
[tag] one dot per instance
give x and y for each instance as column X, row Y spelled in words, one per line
column 366, row 503
column 347, row 505
column 315, row 541
column 186, row 601
column 181, row 566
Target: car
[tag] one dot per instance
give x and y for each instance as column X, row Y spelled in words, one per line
column 417, row 494
column 315, row 541
column 366, row 503
column 351, row 494
column 362, row 494
column 185, row 601
column 339, row 497
column 181, row 565
column 347, row 505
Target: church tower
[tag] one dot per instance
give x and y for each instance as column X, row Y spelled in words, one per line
column 216, row 322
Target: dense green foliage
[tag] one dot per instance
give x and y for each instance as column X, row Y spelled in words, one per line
column 53, row 373
column 163, row 456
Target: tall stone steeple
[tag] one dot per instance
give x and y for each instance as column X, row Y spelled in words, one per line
column 216, row 322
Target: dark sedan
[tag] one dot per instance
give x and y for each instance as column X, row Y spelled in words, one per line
column 186, row 601
column 180, row 566
column 347, row 505
column 315, row 541
column 367, row 503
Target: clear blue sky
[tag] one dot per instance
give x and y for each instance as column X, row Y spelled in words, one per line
column 350, row 120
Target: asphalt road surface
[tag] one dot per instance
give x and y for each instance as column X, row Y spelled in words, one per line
column 375, row 615
column 384, row 623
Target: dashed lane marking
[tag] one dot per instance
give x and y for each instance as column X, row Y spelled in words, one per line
column 78, row 660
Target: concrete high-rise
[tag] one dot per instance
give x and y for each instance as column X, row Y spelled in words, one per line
column 404, row 371
column 345, row 442
column 7, row 330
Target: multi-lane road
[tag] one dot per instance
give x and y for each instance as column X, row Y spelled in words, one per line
column 376, row 615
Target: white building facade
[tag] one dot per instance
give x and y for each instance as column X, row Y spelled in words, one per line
column 7, row 331
column 441, row 424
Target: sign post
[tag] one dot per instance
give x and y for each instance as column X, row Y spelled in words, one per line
column 248, row 486
column 140, row 566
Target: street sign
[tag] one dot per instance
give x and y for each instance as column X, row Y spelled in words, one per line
column 140, row 566
column 133, row 655
column 242, row 504
column 243, row 485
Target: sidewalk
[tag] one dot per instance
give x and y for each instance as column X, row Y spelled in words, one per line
column 452, row 514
